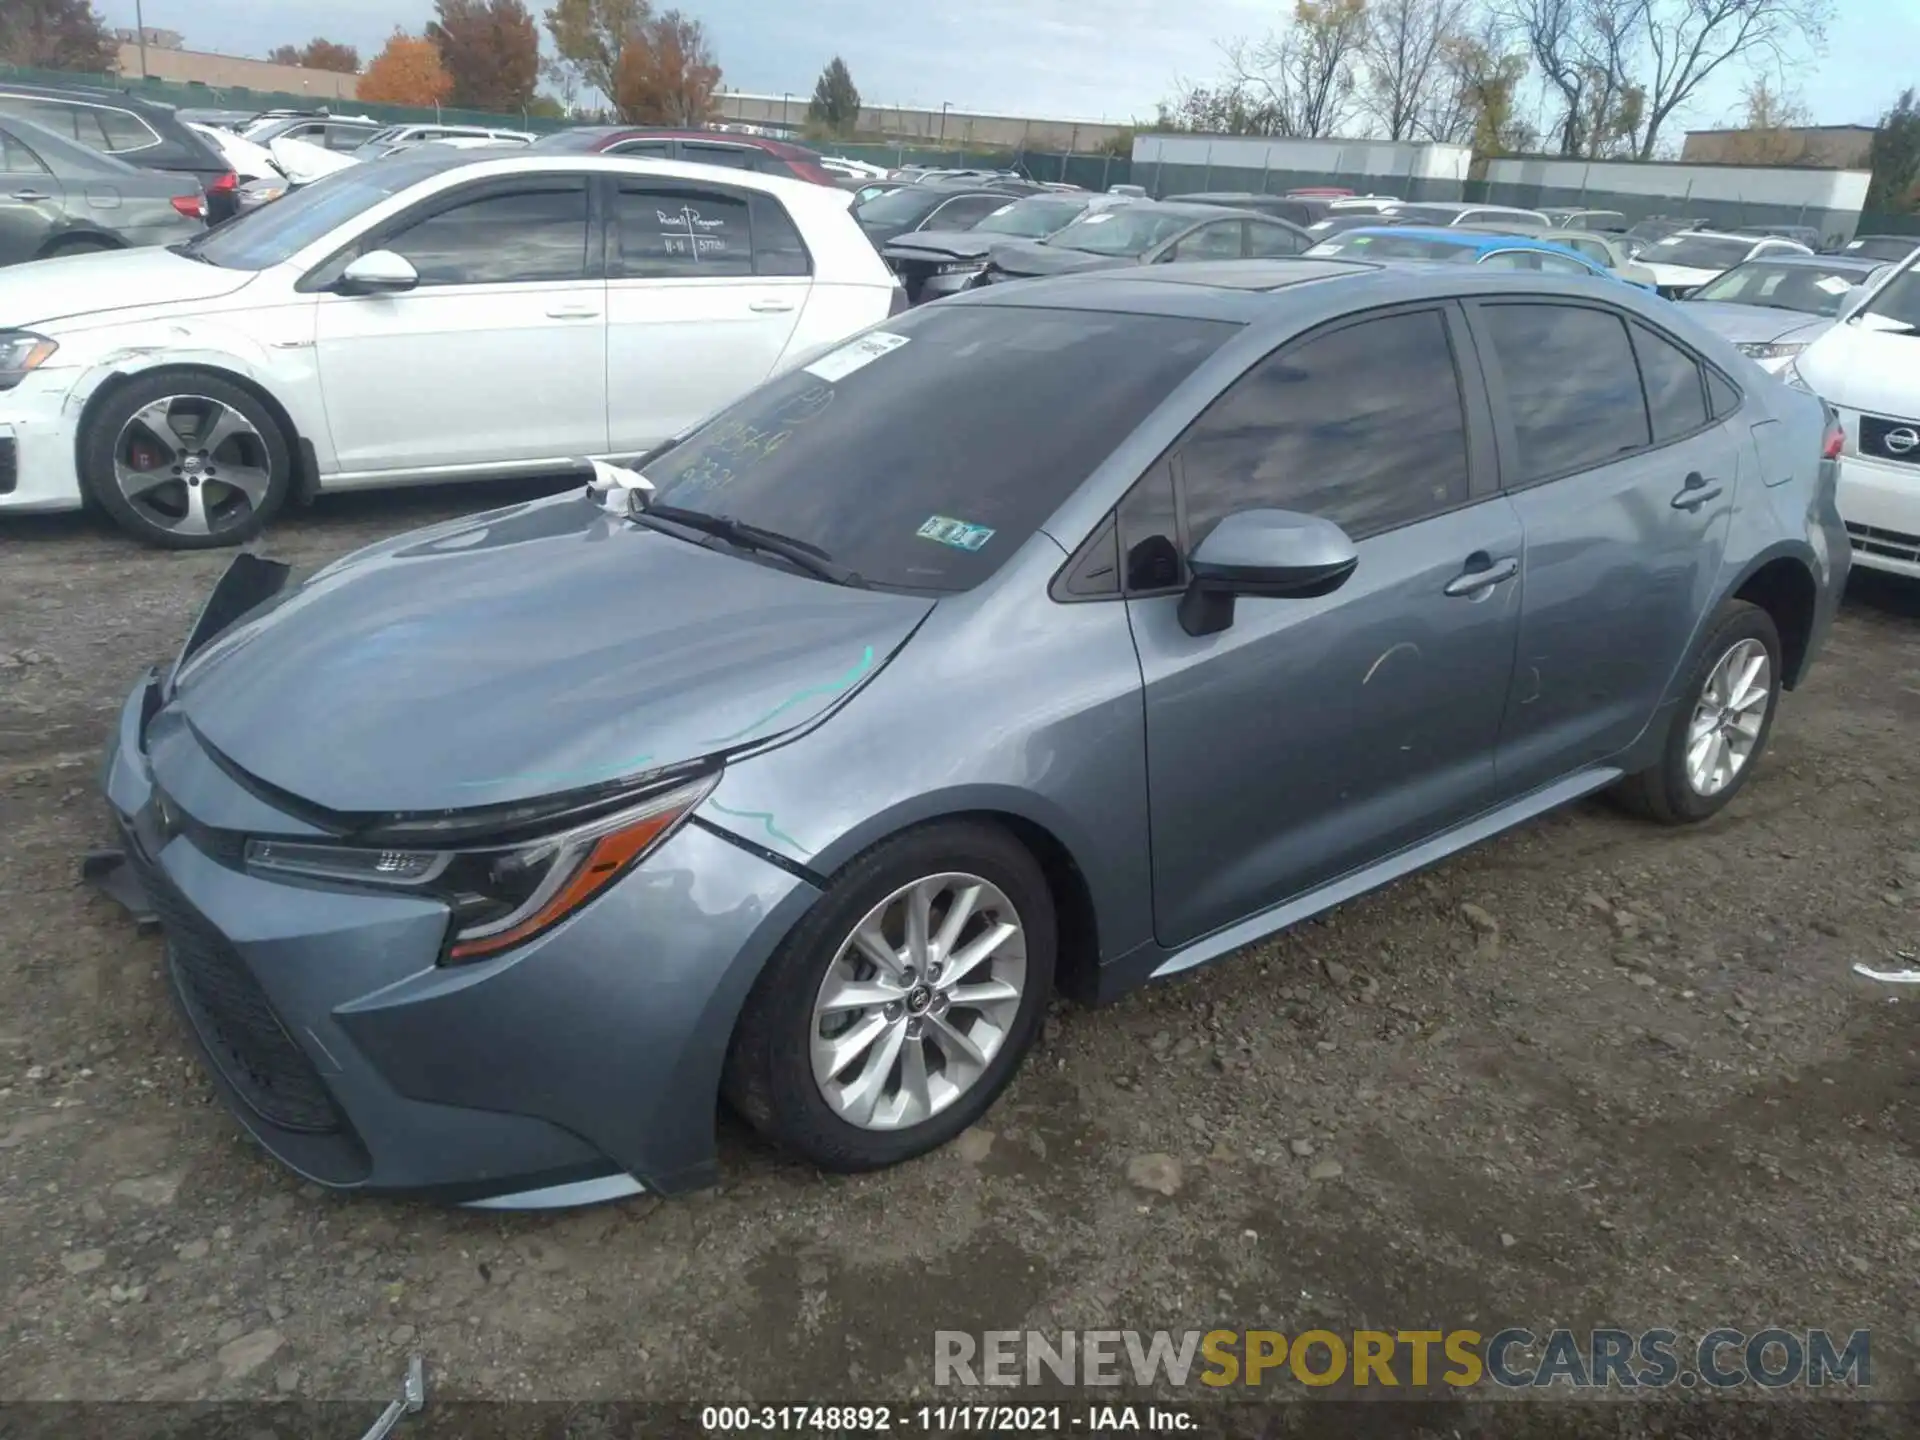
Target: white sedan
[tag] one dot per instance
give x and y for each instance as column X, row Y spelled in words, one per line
column 442, row 315
column 1682, row 263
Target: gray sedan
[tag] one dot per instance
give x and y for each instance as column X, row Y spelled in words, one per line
column 1054, row 638
column 1774, row 307
column 57, row 197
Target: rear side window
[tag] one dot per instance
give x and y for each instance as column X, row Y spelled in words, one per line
column 125, row 131
column 777, row 246
column 1265, row 240
column 1363, row 426
column 679, row 234
column 649, row 149
column 1511, row 260
column 1211, row 242
column 876, row 452
column 1723, row 394
column 734, row 157
column 1676, row 398
column 1573, row 388
column 539, row 233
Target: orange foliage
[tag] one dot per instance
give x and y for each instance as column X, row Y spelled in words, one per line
column 407, row 72
column 667, row 74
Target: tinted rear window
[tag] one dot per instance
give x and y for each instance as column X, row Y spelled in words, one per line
column 925, row 453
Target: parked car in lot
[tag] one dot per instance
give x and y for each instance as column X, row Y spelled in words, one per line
column 1684, row 261
column 1882, row 247
column 1774, row 307
column 935, row 205
column 933, row 263
column 1454, row 212
column 731, row 149
column 1807, row 235
column 330, row 132
column 1147, row 232
column 1645, row 232
column 1868, row 368
column 1604, row 250
column 433, row 316
column 57, row 197
column 1605, row 221
column 143, row 133
column 1459, row 246
column 1233, row 585
column 1340, row 222
column 402, row 137
column 1301, row 210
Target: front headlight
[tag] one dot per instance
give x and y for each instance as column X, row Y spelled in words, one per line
column 1766, row 350
column 21, row 352
column 501, row 895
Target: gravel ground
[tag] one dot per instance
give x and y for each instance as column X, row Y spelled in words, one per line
column 1594, row 1073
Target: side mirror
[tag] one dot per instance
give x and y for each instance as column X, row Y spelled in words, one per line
column 1265, row 553
column 378, row 272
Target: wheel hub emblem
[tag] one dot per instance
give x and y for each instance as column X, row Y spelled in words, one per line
column 191, row 464
column 918, row 999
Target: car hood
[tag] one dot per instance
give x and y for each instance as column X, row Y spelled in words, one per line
column 1030, row 257
column 1756, row 324
column 945, row 244
column 529, row 651
column 1864, row 369
column 49, row 290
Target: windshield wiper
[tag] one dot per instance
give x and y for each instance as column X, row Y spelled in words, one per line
column 810, row 558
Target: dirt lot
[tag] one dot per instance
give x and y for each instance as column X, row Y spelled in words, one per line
column 1595, row 1073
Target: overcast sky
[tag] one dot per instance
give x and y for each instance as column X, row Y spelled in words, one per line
column 1074, row 59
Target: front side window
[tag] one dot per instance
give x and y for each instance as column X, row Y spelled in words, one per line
column 876, row 455
column 1560, row 264
column 1268, row 240
column 1363, row 426
column 17, row 159
column 1210, row 242
column 665, row 233
column 1150, row 534
column 1573, row 387
column 1676, row 398
column 536, row 233
column 307, row 214
column 964, row 212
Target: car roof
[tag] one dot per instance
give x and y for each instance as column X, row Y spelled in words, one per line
column 668, row 132
column 1195, row 209
column 1862, row 263
column 1471, row 237
column 98, row 94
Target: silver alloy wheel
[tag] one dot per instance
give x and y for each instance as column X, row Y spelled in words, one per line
column 918, row 1001
column 1726, row 723
column 191, row 465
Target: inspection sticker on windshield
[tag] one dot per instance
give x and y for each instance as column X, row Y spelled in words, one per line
column 838, row 364
column 956, row 533
column 1833, row 284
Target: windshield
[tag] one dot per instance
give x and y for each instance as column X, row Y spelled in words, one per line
column 1811, row 289
column 274, row 233
column 1393, row 247
column 876, row 454
column 1126, row 231
column 1896, row 305
column 904, row 206
column 1887, row 247
column 1697, row 252
column 1033, row 219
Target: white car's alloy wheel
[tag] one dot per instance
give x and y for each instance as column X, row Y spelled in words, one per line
column 191, row 465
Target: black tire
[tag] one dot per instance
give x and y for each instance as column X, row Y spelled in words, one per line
column 1662, row 792
column 77, row 245
column 769, row 1077
column 233, row 527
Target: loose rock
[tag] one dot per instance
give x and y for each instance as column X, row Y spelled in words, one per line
column 239, row 1358
column 1155, row 1172
column 1324, row 1170
column 973, row 1144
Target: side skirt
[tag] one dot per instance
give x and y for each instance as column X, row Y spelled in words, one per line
column 1404, row 862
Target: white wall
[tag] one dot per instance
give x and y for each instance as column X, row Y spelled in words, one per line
column 1376, row 159
column 1750, row 184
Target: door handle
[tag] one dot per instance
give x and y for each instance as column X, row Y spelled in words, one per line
column 30, row 195
column 572, row 312
column 1470, row 583
column 770, row 307
column 1697, row 491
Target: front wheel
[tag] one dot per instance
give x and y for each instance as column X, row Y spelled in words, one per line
column 1720, row 728
column 900, row 1007
column 186, row 460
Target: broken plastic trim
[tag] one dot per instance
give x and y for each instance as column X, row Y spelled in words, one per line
column 250, row 581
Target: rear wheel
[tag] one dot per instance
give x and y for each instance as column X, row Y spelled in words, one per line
column 900, row 1007
column 186, row 459
column 1720, row 728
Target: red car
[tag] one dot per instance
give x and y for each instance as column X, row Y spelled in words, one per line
column 699, row 147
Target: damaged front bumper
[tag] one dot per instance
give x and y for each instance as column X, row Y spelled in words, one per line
column 582, row 1066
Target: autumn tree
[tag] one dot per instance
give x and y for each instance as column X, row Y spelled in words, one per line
column 55, row 35
column 1895, row 157
column 1402, row 60
column 1231, row 108
column 490, row 50
column 667, row 74
column 835, row 107
column 407, row 72
column 1304, row 76
column 1476, row 97
column 591, row 36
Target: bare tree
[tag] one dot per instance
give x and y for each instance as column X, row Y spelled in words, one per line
column 1475, row 101
column 1688, row 40
column 1403, row 59
column 1304, row 76
column 1555, row 35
